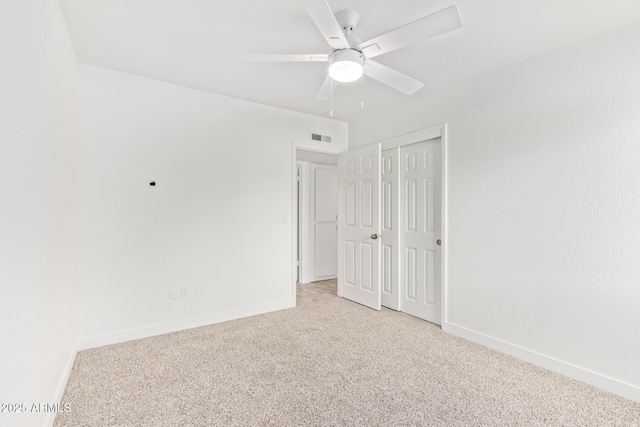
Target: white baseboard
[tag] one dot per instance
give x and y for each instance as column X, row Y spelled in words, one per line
column 179, row 325
column 596, row 379
column 62, row 384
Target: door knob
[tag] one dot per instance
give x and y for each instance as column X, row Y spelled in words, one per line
column 439, row 242
column 374, row 237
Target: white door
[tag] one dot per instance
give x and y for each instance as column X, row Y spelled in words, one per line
column 325, row 206
column 420, row 229
column 359, row 225
column 390, row 237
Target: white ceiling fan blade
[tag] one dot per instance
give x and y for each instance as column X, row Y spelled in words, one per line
column 392, row 78
column 325, row 90
column 430, row 26
column 321, row 14
column 321, row 57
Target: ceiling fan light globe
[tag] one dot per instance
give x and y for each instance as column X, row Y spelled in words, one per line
column 346, row 65
column 345, row 71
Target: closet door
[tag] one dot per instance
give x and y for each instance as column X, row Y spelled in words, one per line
column 420, row 204
column 390, row 230
column 359, row 185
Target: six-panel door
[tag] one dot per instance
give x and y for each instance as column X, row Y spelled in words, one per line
column 420, row 229
column 397, row 195
column 359, row 225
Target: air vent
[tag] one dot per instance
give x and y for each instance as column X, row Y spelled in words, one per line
column 320, row 138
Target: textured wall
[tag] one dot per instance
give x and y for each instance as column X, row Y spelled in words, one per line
column 544, row 196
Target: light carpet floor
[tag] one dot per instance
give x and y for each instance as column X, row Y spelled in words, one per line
column 327, row 362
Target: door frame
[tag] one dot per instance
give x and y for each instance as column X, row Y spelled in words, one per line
column 307, row 221
column 294, row 204
column 438, row 131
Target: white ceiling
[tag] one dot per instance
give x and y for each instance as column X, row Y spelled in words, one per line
column 198, row 43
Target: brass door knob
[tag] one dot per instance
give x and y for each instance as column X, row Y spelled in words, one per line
column 374, row 237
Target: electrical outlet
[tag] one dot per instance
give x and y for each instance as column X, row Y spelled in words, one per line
column 185, row 292
column 174, row 293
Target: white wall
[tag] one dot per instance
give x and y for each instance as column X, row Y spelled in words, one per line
column 37, row 307
column 544, row 207
column 219, row 223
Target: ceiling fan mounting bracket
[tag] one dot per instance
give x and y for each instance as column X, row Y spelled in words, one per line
column 348, row 19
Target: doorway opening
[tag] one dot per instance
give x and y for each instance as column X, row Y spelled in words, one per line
column 315, row 219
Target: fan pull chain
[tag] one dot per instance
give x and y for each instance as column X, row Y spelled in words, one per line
column 331, row 97
column 362, row 91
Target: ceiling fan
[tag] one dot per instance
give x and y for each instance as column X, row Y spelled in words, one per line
column 350, row 58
